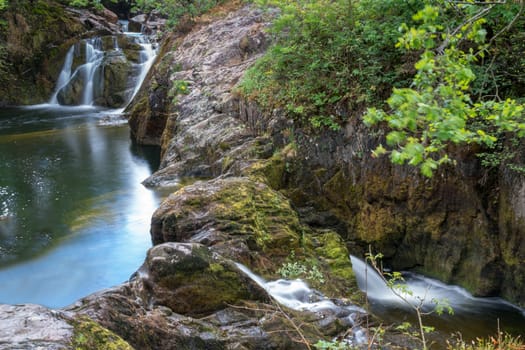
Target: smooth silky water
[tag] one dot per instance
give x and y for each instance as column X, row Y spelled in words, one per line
column 473, row 317
column 74, row 217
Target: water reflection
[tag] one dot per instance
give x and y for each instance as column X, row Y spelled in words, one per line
column 74, row 217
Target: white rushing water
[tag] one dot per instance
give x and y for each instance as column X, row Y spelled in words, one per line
column 472, row 316
column 65, row 74
column 90, row 73
column 94, row 58
column 297, row 295
column 147, row 57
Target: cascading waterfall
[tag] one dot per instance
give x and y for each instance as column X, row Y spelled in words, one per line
column 472, row 316
column 65, row 74
column 147, row 57
column 94, row 56
column 297, row 295
column 85, row 85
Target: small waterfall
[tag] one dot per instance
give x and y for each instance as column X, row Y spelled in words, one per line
column 369, row 281
column 85, row 86
column 94, row 56
column 296, row 295
column 115, row 44
column 65, row 74
column 423, row 290
column 124, row 25
column 147, row 57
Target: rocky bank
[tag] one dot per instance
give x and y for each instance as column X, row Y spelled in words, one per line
column 464, row 226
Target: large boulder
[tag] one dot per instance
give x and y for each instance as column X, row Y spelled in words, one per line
column 248, row 222
column 34, row 327
column 117, row 83
column 72, row 94
column 191, row 280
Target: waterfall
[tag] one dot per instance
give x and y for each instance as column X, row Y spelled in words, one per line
column 424, row 290
column 369, row 281
column 124, row 25
column 65, row 74
column 94, row 56
column 147, row 57
column 297, row 295
column 86, row 85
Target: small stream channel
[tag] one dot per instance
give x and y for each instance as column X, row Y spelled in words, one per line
column 472, row 317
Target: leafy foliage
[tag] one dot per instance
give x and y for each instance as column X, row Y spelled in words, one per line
column 301, row 269
column 499, row 342
column 176, row 10
column 329, row 58
column 438, row 109
column 87, row 3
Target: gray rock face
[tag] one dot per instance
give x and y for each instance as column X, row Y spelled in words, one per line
column 33, row 327
column 201, row 118
column 148, row 24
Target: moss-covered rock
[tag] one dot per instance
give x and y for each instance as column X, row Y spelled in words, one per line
column 251, row 223
column 89, row 335
column 190, row 280
column 239, row 215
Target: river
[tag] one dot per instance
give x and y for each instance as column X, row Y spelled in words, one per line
column 74, row 215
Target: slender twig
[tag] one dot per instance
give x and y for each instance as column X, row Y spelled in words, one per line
column 441, row 49
column 278, row 308
column 297, row 329
column 511, row 23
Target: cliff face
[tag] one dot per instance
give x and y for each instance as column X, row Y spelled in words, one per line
column 464, row 226
column 36, row 37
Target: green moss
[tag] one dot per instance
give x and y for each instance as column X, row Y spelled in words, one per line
column 334, row 252
column 270, row 171
column 89, row 335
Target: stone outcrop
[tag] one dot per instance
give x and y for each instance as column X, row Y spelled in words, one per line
column 149, row 24
column 36, row 327
column 187, row 107
column 463, row 226
column 250, row 223
column 191, row 280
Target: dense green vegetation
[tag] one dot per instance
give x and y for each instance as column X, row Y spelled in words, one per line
column 334, row 59
column 330, row 58
column 175, row 10
column 438, row 109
